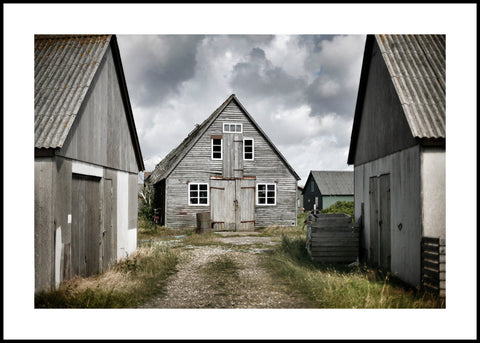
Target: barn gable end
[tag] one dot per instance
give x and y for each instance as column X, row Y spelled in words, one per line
column 192, row 162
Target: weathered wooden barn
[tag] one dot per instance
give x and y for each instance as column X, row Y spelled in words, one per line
column 398, row 151
column 227, row 166
column 324, row 188
column 87, row 158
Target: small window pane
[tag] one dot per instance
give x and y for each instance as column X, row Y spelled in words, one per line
column 271, row 187
column 203, row 201
column 194, row 201
column 203, row 187
column 193, row 187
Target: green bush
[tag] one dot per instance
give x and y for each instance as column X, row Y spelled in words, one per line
column 340, row 207
column 145, row 211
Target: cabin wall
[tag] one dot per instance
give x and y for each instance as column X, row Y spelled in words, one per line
column 44, row 223
column 312, row 195
column 62, row 227
column 329, row 200
column 405, row 210
column 198, row 166
column 433, row 192
column 100, row 134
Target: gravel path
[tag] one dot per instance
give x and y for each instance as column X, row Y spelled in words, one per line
column 216, row 277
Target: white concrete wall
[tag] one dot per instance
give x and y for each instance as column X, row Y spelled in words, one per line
column 405, row 221
column 122, row 215
column 433, row 192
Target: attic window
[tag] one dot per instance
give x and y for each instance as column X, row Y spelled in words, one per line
column 232, row 128
column 216, row 148
column 248, row 149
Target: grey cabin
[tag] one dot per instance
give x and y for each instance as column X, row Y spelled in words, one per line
column 325, row 188
column 397, row 148
column 87, row 158
column 227, row 166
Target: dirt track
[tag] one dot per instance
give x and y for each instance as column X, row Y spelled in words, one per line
column 226, row 277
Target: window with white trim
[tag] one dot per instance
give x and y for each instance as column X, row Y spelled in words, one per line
column 198, row 194
column 232, row 128
column 216, row 148
column 266, row 194
column 248, row 149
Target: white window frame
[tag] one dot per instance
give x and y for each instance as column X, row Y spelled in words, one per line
column 221, row 149
column 229, row 131
column 253, row 149
column 266, row 197
column 198, row 197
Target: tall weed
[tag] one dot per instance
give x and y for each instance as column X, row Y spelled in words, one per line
column 337, row 286
column 126, row 285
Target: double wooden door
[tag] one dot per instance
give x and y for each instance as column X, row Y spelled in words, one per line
column 233, row 204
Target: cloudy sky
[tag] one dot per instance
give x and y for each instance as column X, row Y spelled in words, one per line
column 301, row 89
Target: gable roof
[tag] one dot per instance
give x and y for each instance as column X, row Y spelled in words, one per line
column 65, row 66
column 333, row 182
column 416, row 65
column 168, row 164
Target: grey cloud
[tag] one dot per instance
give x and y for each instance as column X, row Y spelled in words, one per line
column 157, row 69
column 322, row 102
column 257, row 77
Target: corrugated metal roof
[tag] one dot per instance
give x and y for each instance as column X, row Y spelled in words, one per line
column 64, row 69
column 334, row 182
column 165, row 166
column 416, row 64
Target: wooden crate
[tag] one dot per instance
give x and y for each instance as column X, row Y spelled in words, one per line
column 332, row 238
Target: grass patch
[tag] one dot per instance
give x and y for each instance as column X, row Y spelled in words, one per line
column 331, row 286
column 128, row 284
column 290, row 231
column 223, row 278
column 223, row 268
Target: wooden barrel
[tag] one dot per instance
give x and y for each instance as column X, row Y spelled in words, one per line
column 203, row 221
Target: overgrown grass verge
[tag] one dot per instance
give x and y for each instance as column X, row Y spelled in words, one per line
column 329, row 286
column 128, row 284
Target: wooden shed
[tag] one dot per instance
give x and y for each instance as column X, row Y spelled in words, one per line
column 228, row 167
column 87, row 158
column 324, row 188
column 398, row 151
